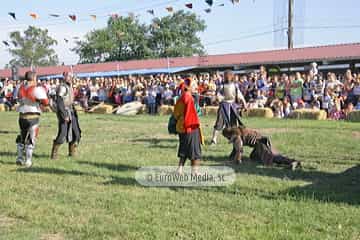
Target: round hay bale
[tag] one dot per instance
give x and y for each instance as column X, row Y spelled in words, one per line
column 170, row 110
column 354, row 116
column 163, row 110
column 102, row 108
column 259, row 112
column 47, row 109
column 2, row 107
column 311, row 114
column 210, row 110
column 130, row 109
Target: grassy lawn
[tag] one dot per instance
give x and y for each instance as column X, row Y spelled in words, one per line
column 95, row 196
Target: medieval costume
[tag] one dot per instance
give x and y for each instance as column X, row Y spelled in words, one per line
column 68, row 124
column 188, row 128
column 228, row 113
column 262, row 148
column 31, row 97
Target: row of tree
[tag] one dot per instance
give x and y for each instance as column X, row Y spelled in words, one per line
column 123, row 38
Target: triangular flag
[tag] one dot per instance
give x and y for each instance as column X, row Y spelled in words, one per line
column 114, row 16
column 221, row 5
column 170, row 9
column 72, row 17
column 34, row 15
column 14, row 43
column 151, row 11
column 6, row 43
column 66, row 40
column 208, row 10
column 75, row 38
column 12, row 14
column 235, row 1
column 93, row 17
column 54, row 15
column 189, row 5
column 210, row 2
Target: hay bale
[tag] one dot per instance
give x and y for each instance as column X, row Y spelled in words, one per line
column 47, row 109
column 311, row 114
column 130, row 109
column 102, row 108
column 354, row 116
column 163, row 110
column 210, row 110
column 79, row 109
column 2, row 107
column 259, row 112
column 170, row 110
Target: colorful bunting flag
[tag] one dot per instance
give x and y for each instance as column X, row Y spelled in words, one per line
column 170, row 9
column 151, row 11
column 114, row 16
column 72, row 17
column 93, row 17
column 54, row 15
column 6, row 43
column 34, row 15
column 189, row 5
column 208, row 10
column 66, row 40
column 14, row 43
column 209, row 2
column 13, row 15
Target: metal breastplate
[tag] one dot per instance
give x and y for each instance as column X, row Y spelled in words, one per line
column 66, row 93
column 229, row 92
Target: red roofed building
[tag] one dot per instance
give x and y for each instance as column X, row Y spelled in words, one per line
column 346, row 55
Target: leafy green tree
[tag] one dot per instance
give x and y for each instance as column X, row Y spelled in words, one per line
column 32, row 48
column 176, row 35
column 124, row 38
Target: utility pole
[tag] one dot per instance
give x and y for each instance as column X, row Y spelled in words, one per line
column 290, row 25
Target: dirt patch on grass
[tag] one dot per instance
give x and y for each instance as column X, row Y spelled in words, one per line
column 7, row 221
column 56, row 236
column 356, row 134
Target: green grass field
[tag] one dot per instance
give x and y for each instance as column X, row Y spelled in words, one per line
column 95, row 196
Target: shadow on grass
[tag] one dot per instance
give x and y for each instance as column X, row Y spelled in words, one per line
column 109, row 166
column 156, row 142
column 125, row 181
column 2, row 132
column 14, row 154
column 341, row 187
column 56, row 171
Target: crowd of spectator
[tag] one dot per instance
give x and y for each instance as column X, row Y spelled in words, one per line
column 337, row 94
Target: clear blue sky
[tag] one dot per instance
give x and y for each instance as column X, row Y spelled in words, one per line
column 229, row 22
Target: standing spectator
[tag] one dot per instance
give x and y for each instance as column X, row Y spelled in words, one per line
column 188, row 127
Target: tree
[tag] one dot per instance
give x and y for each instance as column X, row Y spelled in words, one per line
column 33, row 48
column 176, row 35
column 125, row 38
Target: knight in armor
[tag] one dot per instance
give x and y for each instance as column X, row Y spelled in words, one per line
column 68, row 124
column 263, row 150
column 30, row 97
column 228, row 113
